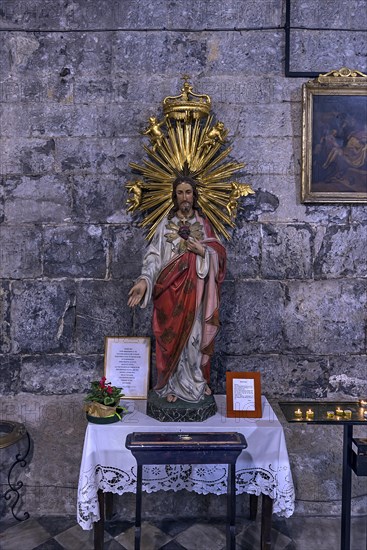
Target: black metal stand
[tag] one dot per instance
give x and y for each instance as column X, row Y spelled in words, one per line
column 356, row 417
column 15, row 432
column 346, row 487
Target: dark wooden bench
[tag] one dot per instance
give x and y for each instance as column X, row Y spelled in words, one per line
column 188, row 448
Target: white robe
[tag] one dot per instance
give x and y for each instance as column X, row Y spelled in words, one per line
column 187, row 382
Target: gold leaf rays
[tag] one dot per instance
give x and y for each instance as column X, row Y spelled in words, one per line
column 185, row 138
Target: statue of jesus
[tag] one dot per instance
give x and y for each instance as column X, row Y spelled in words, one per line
column 182, row 272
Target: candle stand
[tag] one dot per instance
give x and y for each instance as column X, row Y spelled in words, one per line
column 347, row 414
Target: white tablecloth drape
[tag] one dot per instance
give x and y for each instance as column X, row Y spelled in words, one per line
column 262, row 468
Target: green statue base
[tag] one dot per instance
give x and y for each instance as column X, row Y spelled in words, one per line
column 180, row 411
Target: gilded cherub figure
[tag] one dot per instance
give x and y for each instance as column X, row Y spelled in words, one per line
column 238, row 190
column 216, row 134
column 134, row 187
column 154, row 132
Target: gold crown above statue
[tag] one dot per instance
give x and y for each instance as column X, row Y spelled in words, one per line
column 187, row 106
column 187, row 142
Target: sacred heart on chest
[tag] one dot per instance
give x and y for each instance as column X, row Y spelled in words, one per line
column 181, row 230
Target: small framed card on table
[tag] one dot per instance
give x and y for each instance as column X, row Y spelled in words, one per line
column 127, row 365
column 243, row 395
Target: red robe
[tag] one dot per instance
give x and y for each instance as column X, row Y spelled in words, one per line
column 177, row 295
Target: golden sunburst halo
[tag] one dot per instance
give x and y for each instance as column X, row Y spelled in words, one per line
column 187, row 142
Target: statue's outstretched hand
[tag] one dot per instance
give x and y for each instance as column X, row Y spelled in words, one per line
column 137, row 293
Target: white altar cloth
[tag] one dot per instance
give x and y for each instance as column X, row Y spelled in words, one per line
column 261, row 468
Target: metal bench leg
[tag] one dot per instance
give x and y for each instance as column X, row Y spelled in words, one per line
column 267, row 510
column 139, row 480
column 98, row 526
column 231, row 507
column 109, row 506
column 346, row 488
column 253, row 507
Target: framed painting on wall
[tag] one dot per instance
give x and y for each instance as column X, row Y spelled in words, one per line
column 334, row 138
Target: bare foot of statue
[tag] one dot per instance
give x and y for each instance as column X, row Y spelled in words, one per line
column 207, row 390
column 171, row 398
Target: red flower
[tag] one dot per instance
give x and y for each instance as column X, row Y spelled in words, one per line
column 104, row 392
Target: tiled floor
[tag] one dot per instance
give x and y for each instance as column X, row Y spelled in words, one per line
column 57, row 533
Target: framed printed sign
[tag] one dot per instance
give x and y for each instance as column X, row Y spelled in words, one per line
column 127, row 365
column 243, row 395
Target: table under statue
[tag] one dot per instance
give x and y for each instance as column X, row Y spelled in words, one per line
column 263, row 468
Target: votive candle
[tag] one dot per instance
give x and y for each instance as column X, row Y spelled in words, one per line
column 310, row 414
column 298, row 413
column 362, row 403
column 339, row 412
column 330, row 414
column 348, row 413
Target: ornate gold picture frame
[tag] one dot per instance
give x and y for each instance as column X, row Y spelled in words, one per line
column 334, row 138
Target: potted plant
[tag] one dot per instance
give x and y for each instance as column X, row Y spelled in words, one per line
column 103, row 400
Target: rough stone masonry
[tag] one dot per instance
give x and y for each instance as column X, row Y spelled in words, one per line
column 78, row 81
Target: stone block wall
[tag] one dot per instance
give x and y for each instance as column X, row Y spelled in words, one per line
column 78, row 81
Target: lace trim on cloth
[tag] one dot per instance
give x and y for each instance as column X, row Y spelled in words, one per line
column 199, row 478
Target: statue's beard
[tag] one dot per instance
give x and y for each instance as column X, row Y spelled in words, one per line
column 185, row 208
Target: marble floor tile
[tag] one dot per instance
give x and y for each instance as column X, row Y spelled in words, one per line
column 56, row 524
column 173, row 545
column 295, row 533
column 318, row 530
column 113, row 545
column 152, row 538
column 325, row 533
column 115, row 527
column 50, row 544
column 174, row 527
column 249, row 538
column 202, row 535
column 76, row 538
column 26, row 535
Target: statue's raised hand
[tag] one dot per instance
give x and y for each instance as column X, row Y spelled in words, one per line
column 137, row 293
